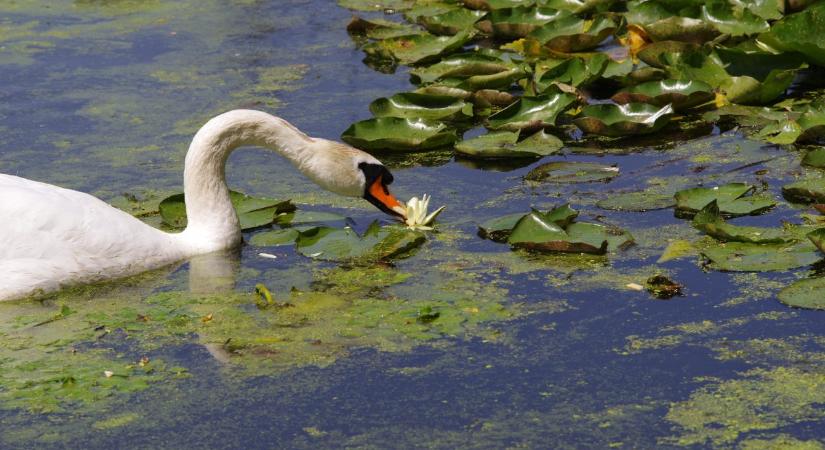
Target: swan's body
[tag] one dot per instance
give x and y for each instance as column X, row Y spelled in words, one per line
column 51, row 237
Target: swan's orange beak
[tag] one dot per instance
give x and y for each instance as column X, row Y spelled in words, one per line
column 380, row 196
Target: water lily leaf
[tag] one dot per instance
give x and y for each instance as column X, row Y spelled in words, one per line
column 731, row 199
column 664, row 53
column 681, row 95
column 489, row 5
column 677, row 249
column 572, row 172
column 733, row 21
column 574, row 71
column 399, row 134
column 532, row 112
column 709, row 220
column 253, row 212
column 573, row 34
column 647, row 12
column 418, row 48
column 377, row 5
column 518, row 22
column 450, row 22
column 809, row 190
column 302, row 217
column 578, row 6
column 424, row 106
column 344, row 244
column 807, row 294
column 461, row 66
column 379, row 29
column 766, row 9
column 499, row 229
column 504, row 144
column 793, row 33
column 785, row 132
column 815, row 158
column 812, row 123
column 749, row 257
column 537, row 232
column 682, row 29
column 275, row 238
column 639, row 201
column 818, row 238
column 623, row 120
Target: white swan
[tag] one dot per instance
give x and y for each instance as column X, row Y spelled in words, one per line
column 51, row 237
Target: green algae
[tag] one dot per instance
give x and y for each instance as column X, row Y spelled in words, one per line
column 762, row 399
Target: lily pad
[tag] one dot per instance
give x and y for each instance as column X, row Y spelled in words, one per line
column 733, row 21
column 576, row 71
column 682, row 29
column 537, row 232
column 815, row 158
column 532, row 112
column 578, row 6
column 681, row 95
column 379, row 29
column 398, row 134
column 623, row 120
column 572, row 172
column 749, row 257
column 422, row 106
column 518, row 22
column 818, row 238
column 731, row 199
column 709, row 220
column 344, row 244
column 639, row 201
column 794, row 33
column 810, row 190
column 574, row 34
column 499, row 229
column 469, row 70
column 302, row 217
column 661, row 54
column 275, row 238
column 253, row 212
column 504, row 144
column 807, row 294
column 450, row 22
column 418, row 48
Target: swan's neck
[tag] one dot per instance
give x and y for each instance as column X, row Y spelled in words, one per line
column 212, row 221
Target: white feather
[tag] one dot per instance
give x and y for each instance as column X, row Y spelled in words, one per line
column 51, row 237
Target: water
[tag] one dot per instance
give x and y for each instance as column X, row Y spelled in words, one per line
column 543, row 352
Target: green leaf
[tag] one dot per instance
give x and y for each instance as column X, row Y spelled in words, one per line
column 422, row 106
column 301, row 217
column 795, row 33
column 379, row 29
column 538, row 232
column 418, row 48
column 682, row 95
column 499, row 229
column 577, row 71
column 532, row 112
column 504, row 144
column 450, row 22
column 818, row 238
column 578, row 6
column 809, row 190
column 572, row 172
column 518, row 22
column 623, row 120
column 253, row 212
column 572, row 34
column 735, row 22
column 710, row 221
column 682, row 29
column 398, row 134
column 469, row 70
column 274, row 238
column 732, row 200
column 748, row 257
column 807, row 294
column 815, row 158
column 344, row 244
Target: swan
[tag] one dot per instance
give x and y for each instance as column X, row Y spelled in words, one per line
column 51, row 237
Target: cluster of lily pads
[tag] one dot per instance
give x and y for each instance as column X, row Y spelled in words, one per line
column 532, row 75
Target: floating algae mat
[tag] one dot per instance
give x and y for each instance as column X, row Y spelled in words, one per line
column 589, row 153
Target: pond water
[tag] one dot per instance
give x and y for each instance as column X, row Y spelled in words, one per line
column 525, row 350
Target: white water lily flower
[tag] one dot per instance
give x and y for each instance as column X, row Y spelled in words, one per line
column 417, row 217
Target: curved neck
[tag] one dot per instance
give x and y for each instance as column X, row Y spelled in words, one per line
column 212, row 221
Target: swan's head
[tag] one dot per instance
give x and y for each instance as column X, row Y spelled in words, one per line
column 376, row 180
